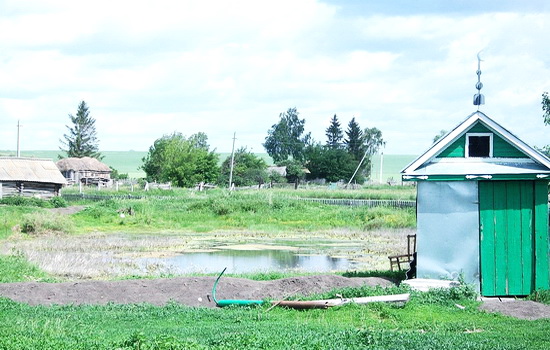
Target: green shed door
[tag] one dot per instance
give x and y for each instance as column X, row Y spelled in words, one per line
column 513, row 237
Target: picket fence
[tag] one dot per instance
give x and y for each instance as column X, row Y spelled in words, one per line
column 329, row 201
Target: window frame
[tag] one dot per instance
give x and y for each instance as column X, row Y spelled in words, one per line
column 467, row 149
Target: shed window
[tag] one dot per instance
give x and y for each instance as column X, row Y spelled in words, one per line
column 479, row 145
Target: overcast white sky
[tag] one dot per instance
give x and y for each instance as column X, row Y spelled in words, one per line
column 148, row 68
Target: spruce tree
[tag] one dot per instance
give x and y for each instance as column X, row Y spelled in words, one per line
column 334, row 133
column 354, row 140
column 81, row 139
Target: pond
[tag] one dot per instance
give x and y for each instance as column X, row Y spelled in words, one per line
column 242, row 261
column 122, row 254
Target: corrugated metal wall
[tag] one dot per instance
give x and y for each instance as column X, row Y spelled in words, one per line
column 448, row 230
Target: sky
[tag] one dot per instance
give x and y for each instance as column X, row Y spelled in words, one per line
column 151, row 68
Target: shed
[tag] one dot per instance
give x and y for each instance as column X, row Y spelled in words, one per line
column 86, row 170
column 482, row 209
column 29, row 177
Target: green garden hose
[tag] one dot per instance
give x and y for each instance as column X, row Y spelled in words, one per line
column 229, row 302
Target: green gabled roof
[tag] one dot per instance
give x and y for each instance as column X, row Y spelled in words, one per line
column 501, row 148
column 446, row 158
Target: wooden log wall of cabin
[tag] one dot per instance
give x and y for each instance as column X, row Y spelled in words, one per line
column 40, row 189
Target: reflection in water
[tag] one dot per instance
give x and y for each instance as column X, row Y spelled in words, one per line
column 239, row 261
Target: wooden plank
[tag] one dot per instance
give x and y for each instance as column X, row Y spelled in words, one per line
column 542, row 277
column 323, row 304
column 501, row 234
column 487, row 238
column 527, row 247
column 513, row 238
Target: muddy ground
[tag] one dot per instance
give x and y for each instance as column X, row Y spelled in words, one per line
column 197, row 291
column 191, row 291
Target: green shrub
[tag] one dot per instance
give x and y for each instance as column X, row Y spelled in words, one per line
column 58, row 202
column 25, row 201
column 41, row 223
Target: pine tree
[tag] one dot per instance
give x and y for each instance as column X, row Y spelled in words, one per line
column 81, row 140
column 334, row 133
column 354, row 140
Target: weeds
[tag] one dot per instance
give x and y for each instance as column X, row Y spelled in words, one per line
column 16, row 268
column 39, row 223
column 541, row 296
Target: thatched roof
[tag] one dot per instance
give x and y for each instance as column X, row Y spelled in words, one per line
column 30, row 170
column 82, row 164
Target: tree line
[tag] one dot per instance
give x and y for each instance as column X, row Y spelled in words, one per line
column 344, row 153
column 185, row 161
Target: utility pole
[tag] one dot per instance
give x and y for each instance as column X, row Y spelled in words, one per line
column 381, row 164
column 232, row 160
column 18, row 142
column 357, row 169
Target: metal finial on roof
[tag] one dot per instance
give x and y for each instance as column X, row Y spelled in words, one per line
column 479, row 99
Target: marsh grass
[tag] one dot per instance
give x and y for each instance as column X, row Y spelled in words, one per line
column 115, row 256
column 97, row 256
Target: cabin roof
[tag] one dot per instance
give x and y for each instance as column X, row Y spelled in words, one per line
column 82, row 164
column 430, row 162
column 30, row 170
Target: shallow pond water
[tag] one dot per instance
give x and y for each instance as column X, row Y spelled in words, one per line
column 242, row 261
column 123, row 254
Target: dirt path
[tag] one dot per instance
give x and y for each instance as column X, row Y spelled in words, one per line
column 68, row 210
column 523, row 309
column 192, row 291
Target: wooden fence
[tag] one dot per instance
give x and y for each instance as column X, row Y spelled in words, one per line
column 364, row 202
column 330, row 201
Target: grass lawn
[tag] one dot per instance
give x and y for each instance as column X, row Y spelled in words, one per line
column 417, row 325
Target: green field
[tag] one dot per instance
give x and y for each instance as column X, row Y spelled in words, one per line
column 392, row 164
column 128, row 162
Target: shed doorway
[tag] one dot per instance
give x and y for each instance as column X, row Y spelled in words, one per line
column 508, row 240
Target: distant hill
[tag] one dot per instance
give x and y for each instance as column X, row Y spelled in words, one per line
column 128, row 162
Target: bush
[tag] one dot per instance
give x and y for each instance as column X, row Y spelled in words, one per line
column 58, row 202
column 41, row 223
column 25, row 201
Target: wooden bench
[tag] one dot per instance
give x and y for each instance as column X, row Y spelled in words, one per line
column 397, row 260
